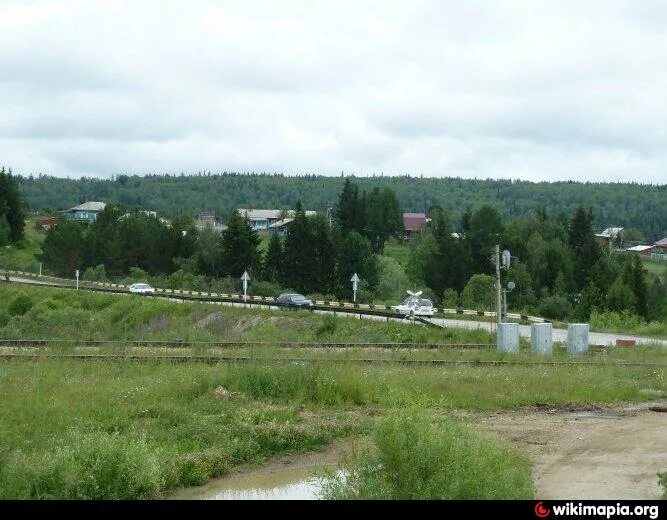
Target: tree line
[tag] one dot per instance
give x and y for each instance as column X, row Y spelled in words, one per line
column 559, row 268
column 640, row 206
column 315, row 256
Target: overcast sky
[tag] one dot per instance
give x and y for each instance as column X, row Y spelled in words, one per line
column 530, row 89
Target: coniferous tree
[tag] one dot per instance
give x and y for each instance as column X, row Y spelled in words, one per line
column 484, row 233
column 274, row 260
column 298, row 261
column 63, row 248
column 11, row 205
column 349, row 209
column 384, row 217
column 325, row 253
column 447, row 266
column 239, row 246
column 356, row 256
column 584, row 247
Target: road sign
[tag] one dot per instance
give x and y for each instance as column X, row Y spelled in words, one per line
column 245, row 278
column 77, row 279
column 355, row 281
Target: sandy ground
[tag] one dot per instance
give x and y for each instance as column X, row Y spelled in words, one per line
column 610, row 452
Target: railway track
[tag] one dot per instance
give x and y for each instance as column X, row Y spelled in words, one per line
column 45, row 343
column 301, row 360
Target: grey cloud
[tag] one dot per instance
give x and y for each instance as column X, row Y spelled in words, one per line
column 424, row 87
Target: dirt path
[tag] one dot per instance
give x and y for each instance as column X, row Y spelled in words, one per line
column 600, row 453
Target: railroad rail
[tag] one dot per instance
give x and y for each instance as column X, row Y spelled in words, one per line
column 301, row 360
column 178, row 343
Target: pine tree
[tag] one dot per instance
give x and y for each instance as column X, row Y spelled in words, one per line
column 349, row 211
column 239, row 246
column 298, row 268
column 583, row 245
column 11, row 205
column 63, row 248
column 273, row 260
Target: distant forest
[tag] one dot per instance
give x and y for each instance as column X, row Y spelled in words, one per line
column 626, row 205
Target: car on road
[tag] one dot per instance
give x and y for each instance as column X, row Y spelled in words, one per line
column 141, row 289
column 415, row 306
column 294, row 300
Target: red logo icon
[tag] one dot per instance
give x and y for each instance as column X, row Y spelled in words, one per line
column 542, row 511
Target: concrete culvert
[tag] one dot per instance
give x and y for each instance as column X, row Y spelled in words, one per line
column 658, row 408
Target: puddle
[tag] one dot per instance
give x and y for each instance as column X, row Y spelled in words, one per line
column 289, row 478
column 288, row 484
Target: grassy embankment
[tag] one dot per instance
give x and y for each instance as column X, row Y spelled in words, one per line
column 21, row 257
column 125, row 430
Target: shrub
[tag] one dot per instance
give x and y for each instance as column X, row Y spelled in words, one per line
column 662, row 479
column 20, row 305
column 89, row 465
column 264, row 289
column 417, row 459
column 554, row 307
column 450, row 299
column 95, row 274
column 328, row 327
column 479, row 292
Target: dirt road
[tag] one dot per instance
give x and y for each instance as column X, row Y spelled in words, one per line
column 601, row 453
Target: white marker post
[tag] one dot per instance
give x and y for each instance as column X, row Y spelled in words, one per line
column 245, row 278
column 355, row 281
column 77, row 279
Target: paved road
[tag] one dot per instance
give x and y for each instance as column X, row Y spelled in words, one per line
column 595, row 338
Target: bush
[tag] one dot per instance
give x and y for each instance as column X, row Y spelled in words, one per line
column 450, row 299
column 328, row 327
column 88, row 465
column 554, row 307
column 95, row 274
column 662, row 479
column 479, row 293
column 20, row 305
column 264, row 289
column 417, row 459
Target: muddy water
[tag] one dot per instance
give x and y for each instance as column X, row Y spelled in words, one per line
column 286, row 478
column 286, row 484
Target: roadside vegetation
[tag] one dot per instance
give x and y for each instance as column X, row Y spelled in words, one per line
column 121, row 429
column 422, row 456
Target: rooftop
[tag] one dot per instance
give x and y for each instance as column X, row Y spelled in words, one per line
column 89, row 206
column 638, row 249
column 610, row 232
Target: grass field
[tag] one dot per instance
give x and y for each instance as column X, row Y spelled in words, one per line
column 399, row 252
column 655, row 267
column 122, row 429
column 22, row 257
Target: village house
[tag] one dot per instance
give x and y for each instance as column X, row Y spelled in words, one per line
column 209, row 220
column 413, row 223
column 263, row 219
column 86, row 212
column 45, row 223
column 609, row 238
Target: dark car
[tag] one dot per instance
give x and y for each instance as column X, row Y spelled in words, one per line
column 294, row 300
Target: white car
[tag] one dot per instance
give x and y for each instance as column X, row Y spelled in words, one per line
column 415, row 306
column 141, row 288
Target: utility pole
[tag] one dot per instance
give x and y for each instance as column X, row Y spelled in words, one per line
column 498, row 300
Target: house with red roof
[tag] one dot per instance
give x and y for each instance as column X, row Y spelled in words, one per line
column 413, row 223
